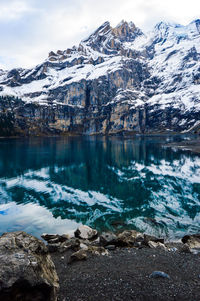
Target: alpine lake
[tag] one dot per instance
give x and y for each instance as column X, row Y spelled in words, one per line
column 54, row 184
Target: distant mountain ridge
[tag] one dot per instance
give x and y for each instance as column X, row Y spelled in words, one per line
column 117, row 80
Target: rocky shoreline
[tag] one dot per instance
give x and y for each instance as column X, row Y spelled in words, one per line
column 90, row 266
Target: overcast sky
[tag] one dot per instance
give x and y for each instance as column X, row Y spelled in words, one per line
column 30, row 29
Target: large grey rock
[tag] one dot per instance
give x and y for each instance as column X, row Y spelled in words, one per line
column 26, row 269
column 85, row 232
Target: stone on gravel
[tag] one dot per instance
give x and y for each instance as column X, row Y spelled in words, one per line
column 48, row 237
column 95, row 242
column 55, row 238
column 173, row 249
column 148, row 238
column 110, row 247
column 64, row 237
column 130, row 238
column 85, row 241
column 85, row 232
column 108, row 239
column 157, row 245
column 78, row 256
column 83, row 246
column 26, row 271
column 53, row 247
column 193, row 241
column 83, row 253
column 73, row 244
column 185, row 249
column 159, row 274
column 97, row 250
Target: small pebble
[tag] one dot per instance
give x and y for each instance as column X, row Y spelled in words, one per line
column 19, row 255
column 159, row 274
column 195, row 251
column 173, row 249
column 110, row 247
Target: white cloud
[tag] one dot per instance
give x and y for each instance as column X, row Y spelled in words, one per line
column 14, row 9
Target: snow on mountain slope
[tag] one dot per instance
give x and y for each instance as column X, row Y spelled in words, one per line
column 120, row 66
column 177, row 54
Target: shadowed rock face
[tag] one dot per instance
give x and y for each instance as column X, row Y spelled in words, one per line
column 23, row 291
column 27, row 271
column 117, row 80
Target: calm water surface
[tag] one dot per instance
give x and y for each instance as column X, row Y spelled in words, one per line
column 54, row 184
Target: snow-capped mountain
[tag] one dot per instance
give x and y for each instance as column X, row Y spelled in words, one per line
column 117, row 80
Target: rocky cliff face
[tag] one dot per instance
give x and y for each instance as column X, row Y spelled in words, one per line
column 117, row 80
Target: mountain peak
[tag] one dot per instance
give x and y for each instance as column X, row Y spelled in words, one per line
column 125, row 31
column 197, row 24
column 196, row 21
column 118, row 79
column 162, row 25
column 100, row 31
column 108, row 39
column 125, row 23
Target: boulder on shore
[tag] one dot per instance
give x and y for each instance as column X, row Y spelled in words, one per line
column 148, row 238
column 108, row 239
column 72, row 243
column 26, row 271
column 85, row 232
column 157, row 245
column 130, row 238
column 55, row 238
column 191, row 243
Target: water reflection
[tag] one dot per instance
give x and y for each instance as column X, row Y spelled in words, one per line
column 53, row 184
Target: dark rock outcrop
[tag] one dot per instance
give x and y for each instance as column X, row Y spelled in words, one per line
column 26, row 270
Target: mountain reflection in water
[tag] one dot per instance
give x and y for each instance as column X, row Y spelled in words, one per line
column 53, row 184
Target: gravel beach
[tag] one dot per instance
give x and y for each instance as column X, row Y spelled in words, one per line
column 124, row 274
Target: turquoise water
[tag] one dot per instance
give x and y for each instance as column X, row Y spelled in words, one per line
column 54, row 184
